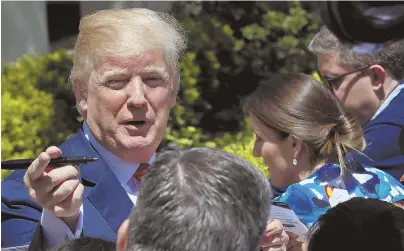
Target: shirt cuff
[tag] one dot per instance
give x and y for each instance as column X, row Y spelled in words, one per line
column 55, row 231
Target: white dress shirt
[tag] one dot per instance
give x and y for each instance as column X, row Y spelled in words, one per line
column 55, row 230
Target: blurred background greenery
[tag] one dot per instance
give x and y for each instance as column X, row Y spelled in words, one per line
column 233, row 45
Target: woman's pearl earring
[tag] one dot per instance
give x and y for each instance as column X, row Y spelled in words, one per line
column 294, row 161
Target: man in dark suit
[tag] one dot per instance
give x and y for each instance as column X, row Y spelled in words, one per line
column 370, row 86
column 125, row 78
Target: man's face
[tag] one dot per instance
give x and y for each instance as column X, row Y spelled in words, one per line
column 354, row 91
column 128, row 103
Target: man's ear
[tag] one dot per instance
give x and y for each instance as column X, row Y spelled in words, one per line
column 81, row 99
column 173, row 100
column 122, row 236
column 378, row 77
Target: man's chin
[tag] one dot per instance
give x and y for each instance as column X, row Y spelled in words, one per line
column 136, row 131
column 136, row 143
column 137, row 155
column 137, row 148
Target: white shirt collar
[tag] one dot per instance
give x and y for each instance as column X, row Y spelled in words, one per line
column 392, row 95
column 122, row 169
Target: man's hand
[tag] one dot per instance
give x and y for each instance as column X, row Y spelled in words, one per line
column 57, row 190
column 293, row 244
column 274, row 238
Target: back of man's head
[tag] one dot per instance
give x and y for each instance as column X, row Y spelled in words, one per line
column 86, row 244
column 359, row 224
column 200, row 199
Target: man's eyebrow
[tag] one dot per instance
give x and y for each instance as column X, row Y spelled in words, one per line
column 114, row 72
column 157, row 69
column 104, row 75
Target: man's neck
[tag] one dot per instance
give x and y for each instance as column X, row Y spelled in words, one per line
column 389, row 92
column 389, row 87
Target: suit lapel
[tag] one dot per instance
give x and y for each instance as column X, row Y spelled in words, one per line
column 111, row 200
column 103, row 191
column 37, row 242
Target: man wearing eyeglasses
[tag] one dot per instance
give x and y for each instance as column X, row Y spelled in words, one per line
column 370, row 87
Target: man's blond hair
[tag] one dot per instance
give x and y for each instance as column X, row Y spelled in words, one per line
column 127, row 32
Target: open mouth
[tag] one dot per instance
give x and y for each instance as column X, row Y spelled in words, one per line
column 136, row 122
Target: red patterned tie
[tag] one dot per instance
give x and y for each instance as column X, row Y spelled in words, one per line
column 141, row 171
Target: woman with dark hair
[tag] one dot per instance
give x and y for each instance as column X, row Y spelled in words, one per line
column 303, row 136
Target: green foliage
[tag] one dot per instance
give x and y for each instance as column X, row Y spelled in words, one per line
column 244, row 149
column 316, row 77
column 37, row 105
column 54, row 80
column 242, row 144
column 233, row 45
column 26, row 111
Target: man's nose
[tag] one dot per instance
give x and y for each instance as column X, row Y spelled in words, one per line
column 136, row 92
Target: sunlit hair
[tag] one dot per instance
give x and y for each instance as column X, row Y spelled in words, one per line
column 127, row 32
column 392, row 58
column 296, row 104
column 194, row 200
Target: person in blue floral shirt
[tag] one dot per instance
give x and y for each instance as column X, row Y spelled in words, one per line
column 303, row 136
column 313, row 196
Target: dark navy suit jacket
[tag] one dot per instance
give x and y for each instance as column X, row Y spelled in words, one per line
column 106, row 203
column 384, row 136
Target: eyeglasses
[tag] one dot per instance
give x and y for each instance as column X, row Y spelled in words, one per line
column 330, row 82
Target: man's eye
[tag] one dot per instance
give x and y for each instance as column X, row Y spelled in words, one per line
column 335, row 82
column 117, row 83
column 153, row 80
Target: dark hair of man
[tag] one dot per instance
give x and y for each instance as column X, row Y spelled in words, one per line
column 391, row 58
column 359, row 224
column 200, row 199
column 87, row 244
